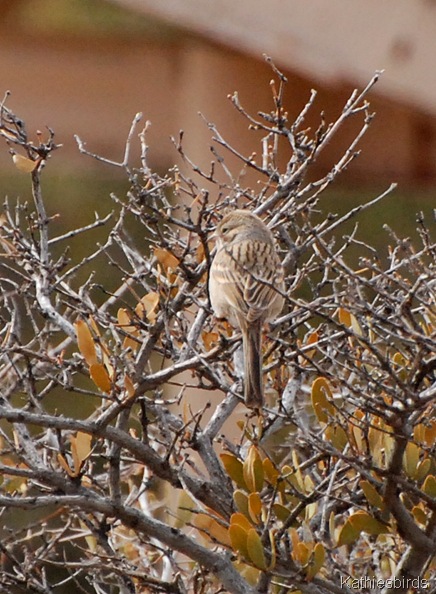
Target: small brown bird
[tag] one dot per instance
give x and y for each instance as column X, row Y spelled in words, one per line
column 246, row 287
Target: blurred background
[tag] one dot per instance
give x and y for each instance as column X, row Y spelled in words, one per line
column 86, row 68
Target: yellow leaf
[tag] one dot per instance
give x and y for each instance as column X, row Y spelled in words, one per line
column 322, row 400
column 184, row 505
column 295, row 539
column 308, row 483
column 332, row 526
column 294, row 477
column 234, row 469
column 316, row 562
column 273, row 549
column 420, row 515
column 253, row 470
column 301, row 553
column 381, row 442
column 388, row 445
column 106, row 356
column 281, row 511
column 85, row 342
column 411, row 459
column 356, row 433
column 24, row 164
column 310, row 511
column 255, row 507
column 372, row 495
column 298, row 475
column 336, row 435
column 429, row 486
column 423, row 469
column 241, row 520
column 363, row 522
column 255, row 549
column 241, row 501
column 400, row 363
column 100, row 377
column 238, row 538
column 348, row 534
column 147, row 307
column 271, row 472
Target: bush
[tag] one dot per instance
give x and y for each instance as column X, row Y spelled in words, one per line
column 134, row 489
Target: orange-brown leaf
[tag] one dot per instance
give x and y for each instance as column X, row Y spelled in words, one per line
column 322, row 400
column 147, row 306
column 166, row 259
column 24, row 164
column 80, row 449
column 85, row 342
column 100, row 377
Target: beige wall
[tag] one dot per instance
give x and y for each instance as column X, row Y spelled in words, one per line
column 90, row 88
column 330, row 41
column 94, row 88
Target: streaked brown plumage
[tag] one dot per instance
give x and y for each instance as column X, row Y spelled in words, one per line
column 245, row 286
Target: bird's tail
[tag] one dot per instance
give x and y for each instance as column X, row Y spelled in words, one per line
column 253, row 389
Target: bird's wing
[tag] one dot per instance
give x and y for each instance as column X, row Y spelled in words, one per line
column 250, row 273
